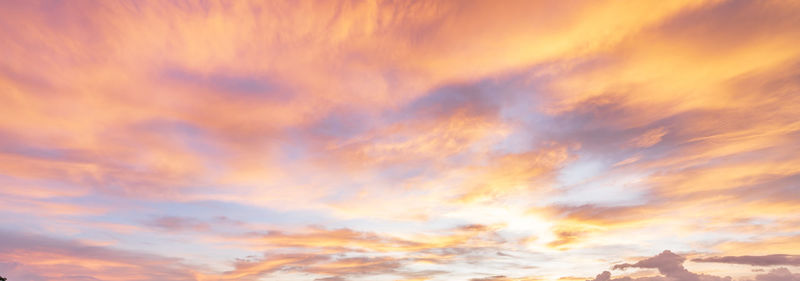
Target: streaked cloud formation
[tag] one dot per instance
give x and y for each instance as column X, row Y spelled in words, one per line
column 400, row 140
column 755, row 260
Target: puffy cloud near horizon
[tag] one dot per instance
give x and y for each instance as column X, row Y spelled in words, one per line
column 670, row 265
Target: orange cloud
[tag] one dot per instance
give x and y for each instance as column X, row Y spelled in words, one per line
column 381, row 120
column 33, row 257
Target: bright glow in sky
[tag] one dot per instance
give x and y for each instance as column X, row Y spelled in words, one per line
column 400, row 140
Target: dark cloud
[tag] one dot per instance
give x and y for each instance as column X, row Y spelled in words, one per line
column 668, row 264
column 605, row 276
column 755, row 260
column 778, row 274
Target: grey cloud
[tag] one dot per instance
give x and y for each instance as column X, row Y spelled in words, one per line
column 779, row 274
column 755, row 260
column 669, row 264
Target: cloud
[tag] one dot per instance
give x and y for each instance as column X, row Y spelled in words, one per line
column 605, row 216
column 490, row 278
column 27, row 256
column 390, row 124
column 358, row 266
column 778, row 274
column 335, row 267
column 345, row 253
column 510, row 173
column 649, row 138
column 457, row 240
column 178, row 224
column 667, row 263
column 219, row 224
column 670, row 265
column 768, row 260
column 253, row 269
column 232, row 86
column 765, row 246
column 335, row 278
column 503, row 278
column 605, row 276
column 565, row 237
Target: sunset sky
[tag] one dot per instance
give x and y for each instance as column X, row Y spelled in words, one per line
column 400, row 140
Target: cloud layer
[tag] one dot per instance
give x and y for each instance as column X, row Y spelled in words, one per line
column 399, row 140
column 755, row 260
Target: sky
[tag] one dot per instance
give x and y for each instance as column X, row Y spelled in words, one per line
column 400, row 140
